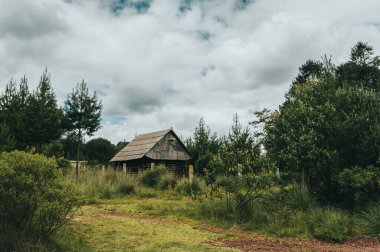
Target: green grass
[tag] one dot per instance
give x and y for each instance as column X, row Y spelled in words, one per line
column 153, row 219
column 105, row 228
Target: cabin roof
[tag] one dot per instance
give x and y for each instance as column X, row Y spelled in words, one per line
column 141, row 145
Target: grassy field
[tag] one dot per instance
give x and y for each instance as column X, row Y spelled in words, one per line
column 118, row 213
column 135, row 223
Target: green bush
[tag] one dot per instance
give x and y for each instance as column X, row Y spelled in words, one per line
column 299, row 198
column 193, row 189
column 64, row 165
column 152, row 177
column 216, row 209
column 53, row 149
column 126, row 186
column 359, row 185
column 168, row 181
column 329, row 224
column 369, row 220
column 33, row 200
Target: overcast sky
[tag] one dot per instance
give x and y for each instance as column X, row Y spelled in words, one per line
column 165, row 63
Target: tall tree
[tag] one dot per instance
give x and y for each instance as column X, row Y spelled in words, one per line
column 83, row 113
column 13, row 104
column 100, row 151
column 44, row 116
column 202, row 145
column 7, row 141
column 240, row 147
column 362, row 69
column 326, row 126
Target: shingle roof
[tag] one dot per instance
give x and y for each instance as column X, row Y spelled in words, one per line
column 139, row 146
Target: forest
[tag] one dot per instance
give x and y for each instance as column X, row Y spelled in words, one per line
column 309, row 170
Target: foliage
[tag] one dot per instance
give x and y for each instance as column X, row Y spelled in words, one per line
column 126, row 187
column 369, row 220
column 7, row 141
column 152, row 177
column 332, row 226
column 99, row 151
column 33, row 119
column 70, row 145
column 237, row 154
column 322, row 128
column 53, row 149
column 359, row 185
column 168, row 181
column 83, row 112
column 298, row 198
column 45, row 120
column 362, row 70
column 202, row 145
column 94, row 183
column 194, row 188
column 120, row 145
column 33, row 200
column 63, row 164
column 234, row 174
column 13, row 105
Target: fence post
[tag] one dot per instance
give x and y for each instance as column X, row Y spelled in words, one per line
column 125, row 168
column 191, row 173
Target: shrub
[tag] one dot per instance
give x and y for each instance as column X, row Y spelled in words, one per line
column 126, row 186
column 299, row 198
column 53, row 149
column 215, row 208
column 329, row 224
column 64, row 165
column 193, row 189
column 33, row 200
column 359, row 185
column 168, row 181
column 151, row 178
column 369, row 220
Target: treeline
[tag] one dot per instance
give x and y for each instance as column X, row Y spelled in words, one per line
column 32, row 121
column 325, row 136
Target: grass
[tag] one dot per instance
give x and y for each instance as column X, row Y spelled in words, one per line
column 120, row 214
column 135, row 224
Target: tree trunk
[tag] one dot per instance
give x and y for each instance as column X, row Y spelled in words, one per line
column 78, row 154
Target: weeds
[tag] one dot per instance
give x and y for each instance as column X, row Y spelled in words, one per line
column 289, row 211
column 369, row 220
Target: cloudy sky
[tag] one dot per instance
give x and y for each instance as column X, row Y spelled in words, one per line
column 157, row 64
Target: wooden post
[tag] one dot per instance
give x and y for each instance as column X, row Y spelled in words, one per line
column 125, row 168
column 152, row 165
column 191, row 173
column 103, row 169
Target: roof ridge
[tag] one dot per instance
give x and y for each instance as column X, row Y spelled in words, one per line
column 147, row 141
column 162, row 136
column 152, row 133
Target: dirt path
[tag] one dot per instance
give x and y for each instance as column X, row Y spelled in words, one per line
column 251, row 241
column 265, row 243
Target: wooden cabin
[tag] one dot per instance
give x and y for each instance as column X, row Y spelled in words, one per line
column 162, row 148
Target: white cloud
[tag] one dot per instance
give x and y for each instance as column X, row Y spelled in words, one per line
column 165, row 68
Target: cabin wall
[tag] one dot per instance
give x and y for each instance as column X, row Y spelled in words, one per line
column 169, row 148
column 175, row 167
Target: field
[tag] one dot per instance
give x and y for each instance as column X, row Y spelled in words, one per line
column 163, row 220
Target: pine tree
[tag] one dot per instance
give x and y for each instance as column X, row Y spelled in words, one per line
column 44, row 116
column 83, row 113
column 13, row 104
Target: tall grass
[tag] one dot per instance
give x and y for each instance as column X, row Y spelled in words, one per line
column 295, row 214
column 369, row 220
column 93, row 184
column 289, row 211
column 299, row 198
